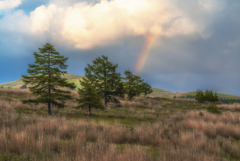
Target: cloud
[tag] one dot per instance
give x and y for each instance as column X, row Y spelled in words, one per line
column 9, row 4
column 97, row 23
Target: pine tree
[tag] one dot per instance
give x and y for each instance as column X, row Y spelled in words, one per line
column 130, row 84
column 103, row 77
column 88, row 96
column 209, row 96
column 139, row 83
column 200, row 96
column 45, row 78
column 215, row 97
column 146, row 88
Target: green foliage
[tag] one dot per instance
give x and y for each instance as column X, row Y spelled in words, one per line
column 215, row 97
column 130, row 84
column 45, row 78
column 103, row 77
column 146, row 88
column 213, row 109
column 134, row 85
column 201, row 114
column 208, row 96
column 139, row 84
column 89, row 97
column 200, row 96
column 14, row 157
column 23, row 87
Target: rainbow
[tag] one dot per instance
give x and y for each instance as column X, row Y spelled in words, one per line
column 150, row 40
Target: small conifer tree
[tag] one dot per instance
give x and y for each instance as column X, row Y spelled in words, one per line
column 208, row 96
column 200, row 96
column 130, row 84
column 139, row 83
column 215, row 97
column 88, row 96
column 146, row 88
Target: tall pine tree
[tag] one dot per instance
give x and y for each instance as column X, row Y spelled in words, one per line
column 103, row 77
column 45, row 78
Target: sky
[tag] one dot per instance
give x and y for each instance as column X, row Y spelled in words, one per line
column 174, row 45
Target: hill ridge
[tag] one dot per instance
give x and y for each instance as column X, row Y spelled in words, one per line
column 74, row 78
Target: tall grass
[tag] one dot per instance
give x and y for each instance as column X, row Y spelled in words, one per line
column 181, row 137
column 232, row 107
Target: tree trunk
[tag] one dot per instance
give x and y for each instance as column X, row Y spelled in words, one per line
column 105, row 99
column 89, row 107
column 105, row 84
column 49, row 90
column 49, row 107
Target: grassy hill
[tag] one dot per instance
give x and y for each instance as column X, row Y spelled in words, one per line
column 19, row 83
column 156, row 92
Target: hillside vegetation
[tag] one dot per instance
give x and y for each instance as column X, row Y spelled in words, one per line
column 146, row 129
column 156, row 92
column 19, row 83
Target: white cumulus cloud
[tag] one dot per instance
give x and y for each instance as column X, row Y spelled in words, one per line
column 9, row 4
column 87, row 25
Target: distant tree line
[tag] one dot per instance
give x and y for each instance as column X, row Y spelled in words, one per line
column 207, row 96
column 222, row 100
column 200, row 96
column 229, row 100
column 101, row 81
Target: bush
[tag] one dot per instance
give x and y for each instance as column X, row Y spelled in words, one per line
column 201, row 114
column 213, row 109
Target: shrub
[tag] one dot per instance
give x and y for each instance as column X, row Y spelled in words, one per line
column 213, row 109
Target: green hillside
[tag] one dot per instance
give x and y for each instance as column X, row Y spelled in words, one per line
column 156, row 92
column 160, row 93
column 19, row 83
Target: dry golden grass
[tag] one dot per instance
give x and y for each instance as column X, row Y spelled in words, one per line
column 179, row 137
column 7, row 90
column 55, row 138
column 233, row 107
column 133, row 103
column 185, row 99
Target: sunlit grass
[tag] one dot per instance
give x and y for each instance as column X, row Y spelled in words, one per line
column 144, row 129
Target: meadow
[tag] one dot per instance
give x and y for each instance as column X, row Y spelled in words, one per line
column 148, row 128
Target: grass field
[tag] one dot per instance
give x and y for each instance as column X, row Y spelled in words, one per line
column 148, row 128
